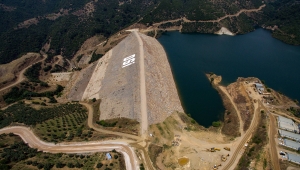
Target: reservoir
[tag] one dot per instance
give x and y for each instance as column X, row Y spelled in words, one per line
column 256, row 54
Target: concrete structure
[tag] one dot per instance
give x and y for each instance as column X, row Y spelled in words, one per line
column 287, row 124
column 290, row 135
column 293, row 158
column 108, row 156
column 259, row 87
column 291, row 144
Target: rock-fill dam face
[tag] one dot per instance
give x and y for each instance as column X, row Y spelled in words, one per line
column 133, row 80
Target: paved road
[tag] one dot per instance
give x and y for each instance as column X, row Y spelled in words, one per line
column 21, row 76
column 144, row 119
column 75, row 147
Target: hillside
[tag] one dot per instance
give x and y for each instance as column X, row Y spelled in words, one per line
column 64, row 25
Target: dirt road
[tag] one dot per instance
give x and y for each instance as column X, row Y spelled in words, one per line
column 144, row 119
column 21, row 76
column 91, row 125
column 272, row 137
column 156, row 25
column 135, row 144
column 234, row 105
column 75, row 147
column 233, row 160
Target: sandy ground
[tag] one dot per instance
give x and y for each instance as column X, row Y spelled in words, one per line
column 94, row 86
column 55, row 77
column 223, row 89
column 224, row 31
column 16, row 63
column 194, row 144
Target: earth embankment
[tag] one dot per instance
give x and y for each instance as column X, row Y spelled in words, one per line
column 117, row 79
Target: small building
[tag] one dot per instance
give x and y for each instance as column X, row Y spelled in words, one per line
column 108, row 156
column 284, row 119
column 290, row 135
column 291, row 144
column 259, row 87
column 293, row 158
column 287, row 124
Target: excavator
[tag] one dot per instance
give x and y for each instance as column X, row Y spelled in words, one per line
column 216, row 167
column 213, row 149
column 227, row 148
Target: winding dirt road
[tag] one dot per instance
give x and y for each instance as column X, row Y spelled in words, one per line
column 21, row 76
column 185, row 20
column 272, row 136
column 75, row 147
column 145, row 156
column 234, row 105
column 233, row 159
column 91, row 125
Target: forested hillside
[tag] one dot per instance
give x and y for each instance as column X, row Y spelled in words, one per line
column 68, row 31
column 28, row 24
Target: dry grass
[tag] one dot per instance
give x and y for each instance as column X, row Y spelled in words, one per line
column 231, row 121
column 124, row 125
column 8, row 72
column 154, row 151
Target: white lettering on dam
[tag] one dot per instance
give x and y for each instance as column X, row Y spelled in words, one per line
column 128, row 61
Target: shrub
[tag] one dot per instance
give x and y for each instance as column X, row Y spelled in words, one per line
column 216, row 124
column 99, row 165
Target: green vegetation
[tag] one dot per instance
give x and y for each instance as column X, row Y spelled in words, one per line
column 258, row 141
column 17, row 94
column 106, row 124
column 216, row 124
column 23, row 113
column 294, row 111
column 65, row 128
column 79, row 58
column 154, row 151
column 286, row 15
column 57, row 68
column 33, row 72
column 68, row 32
column 95, row 57
column 15, row 154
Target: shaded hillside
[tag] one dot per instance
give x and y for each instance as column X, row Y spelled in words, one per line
column 27, row 25
column 68, row 23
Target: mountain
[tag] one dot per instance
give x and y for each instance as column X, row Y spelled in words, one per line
column 26, row 26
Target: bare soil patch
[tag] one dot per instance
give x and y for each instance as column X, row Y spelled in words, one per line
column 154, row 151
column 242, row 101
column 231, row 121
column 9, row 72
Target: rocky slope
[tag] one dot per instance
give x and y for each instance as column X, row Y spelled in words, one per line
column 117, row 84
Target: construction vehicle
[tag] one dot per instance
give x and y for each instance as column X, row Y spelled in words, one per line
column 224, row 158
column 213, row 149
column 216, row 167
column 227, row 148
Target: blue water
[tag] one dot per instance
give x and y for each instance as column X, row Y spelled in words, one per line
column 256, row 54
